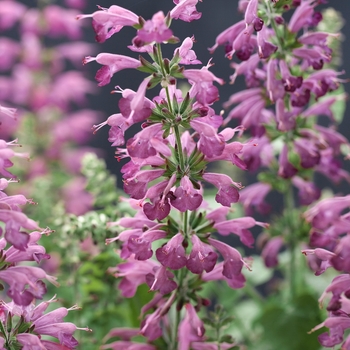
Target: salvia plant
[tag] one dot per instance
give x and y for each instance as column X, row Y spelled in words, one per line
column 167, row 265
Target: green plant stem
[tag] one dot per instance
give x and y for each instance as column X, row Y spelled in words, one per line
column 160, row 59
column 179, row 147
column 177, row 317
column 289, row 207
column 2, row 329
column 253, row 293
column 169, row 101
column 274, row 26
column 185, row 224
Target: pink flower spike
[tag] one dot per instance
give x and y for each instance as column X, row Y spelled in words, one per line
column 185, row 10
column 106, row 22
column 112, row 63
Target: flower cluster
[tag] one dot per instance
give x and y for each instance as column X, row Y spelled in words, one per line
column 289, row 78
column 168, row 244
column 286, row 93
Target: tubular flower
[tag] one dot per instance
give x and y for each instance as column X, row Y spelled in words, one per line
column 112, row 63
column 107, row 22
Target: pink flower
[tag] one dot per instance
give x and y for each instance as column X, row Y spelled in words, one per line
column 150, row 327
column 228, row 192
column 187, row 55
column 141, row 245
column 144, row 143
column 228, row 36
column 112, row 63
column 327, row 212
column 239, row 227
column 185, row 10
column 301, row 16
column 308, row 191
column 202, row 85
column 186, row 197
column 270, row 251
column 136, row 186
column 253, row 196
column 154, row 30
column 191, row 328
column 161, row 279
column 236, row 282
column 210, row 143
column 172, row 254
column 322, row 254
column 134, row 274
column 107, row 22
column 202, row 257
column 33, row 252
column 251, row 16
column 233, row 261
column 18, row 277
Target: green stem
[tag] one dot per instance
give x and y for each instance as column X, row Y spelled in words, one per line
column 177, row 317
column 274, row 26
column 179, row 147
column 2, row 329
column 160, row 59
column 185, row 225
column 169, row 101
column 253, row 293
column 290, row 206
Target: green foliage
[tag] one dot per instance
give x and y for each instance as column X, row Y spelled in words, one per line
column 287, row 326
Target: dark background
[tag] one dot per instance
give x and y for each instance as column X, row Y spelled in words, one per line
column 217, row 15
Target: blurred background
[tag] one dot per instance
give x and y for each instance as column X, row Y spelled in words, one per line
column 217, row 15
